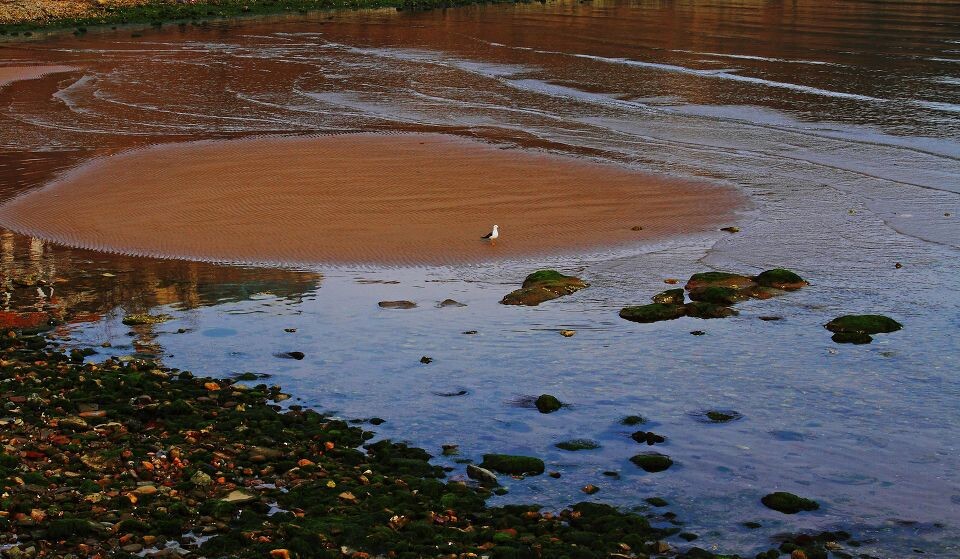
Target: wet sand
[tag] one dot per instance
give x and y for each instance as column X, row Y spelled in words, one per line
column 10, row 74
column 360, row 198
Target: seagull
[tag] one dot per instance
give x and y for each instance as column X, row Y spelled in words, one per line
column 492, row 235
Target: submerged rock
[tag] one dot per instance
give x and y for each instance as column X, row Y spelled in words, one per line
column 144, row 318
column 648, row 437
column 578, row 444
column 788, row 503
column 512, row 464
column 547, row 403
column 543, row 285
column 654, row 312
column 863, row 324
column 397, row 304
column 450, row 303
column 652, row 461
column 722, row 416
column 633, row 420
column 719, row 295
column 483, row 475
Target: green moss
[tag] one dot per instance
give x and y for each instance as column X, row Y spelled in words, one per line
column 547, row 403
column 543, row 285
column 669, row 297
column 718, row 295
column 656, row 501
column 578, row 444
column 718, row 279
column 788, row 503
column 631, row 420
column 144, row 318
column 654, row 312
column 652, row 461
column 863, row 324
column 717, row 416
column 512, row 464
column 544, row 275
column 780, row 279
column 699, row 309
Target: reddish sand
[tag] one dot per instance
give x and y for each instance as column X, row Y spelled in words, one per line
column 364, row 198
column 10, row 74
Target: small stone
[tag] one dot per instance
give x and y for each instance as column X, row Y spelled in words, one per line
column 547, row 403
column 298, row 355
column 238, row 497
column 425, row 360
column 470, row 332
column 731, row 229
column 397, row 304
column 898, row 265
column 636, row 228
column 590, row 489
column 788, row 503
column 661, row 547
column 450, row 303
column 201, row 479
column 554, row 475
column 132, row 548
column 279, row 554
column 567, row 333
column 483, row 475
column 450, row 449
column 698, row 332
column 348, row 497
column 652, row 462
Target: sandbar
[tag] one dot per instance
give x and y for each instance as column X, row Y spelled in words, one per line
column 10, row 74
column 395, row 199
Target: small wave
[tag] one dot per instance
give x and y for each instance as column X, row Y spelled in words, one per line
column 937, row 106
column 938, row 59
column 760, row 58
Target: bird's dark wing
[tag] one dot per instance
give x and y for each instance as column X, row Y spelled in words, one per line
column 487, row 236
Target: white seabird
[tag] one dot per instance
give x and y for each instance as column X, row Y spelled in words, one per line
column 492, row 235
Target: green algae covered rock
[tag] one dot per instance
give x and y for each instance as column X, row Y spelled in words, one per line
column 548, row 403
column 145, row 318
column 654, row 312
column 669, row 297
column 863, row 324
column 788, row 503
column 704, row 310
column 718, row 295
column 544, row 285
column 780, row 278
column 652, row 461
column 578, row 444
column 512, row 464
column 718, row 279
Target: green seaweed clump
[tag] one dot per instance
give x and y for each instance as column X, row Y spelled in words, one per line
column 654, row 312
column 548, row 403
column 669, row 297
column 512, row 464
column 780, row 278
column 718, row 279
column 543, row 285
column 788, row 503
column 578, row 444
column 863, row 324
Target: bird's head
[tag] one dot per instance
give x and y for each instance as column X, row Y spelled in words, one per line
column 496, row 227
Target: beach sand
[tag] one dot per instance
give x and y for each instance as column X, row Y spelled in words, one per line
column 10, row 74
column 359, row 198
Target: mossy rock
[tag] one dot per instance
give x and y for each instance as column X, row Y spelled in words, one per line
column 718, row 295
column 718, row 279
column 669, row 297
column 780, row 278
column 578, row 444
column 543, row 285
column 652, row 461
column 656, row 501
column 788, row 503
column 722, row 416
column 863, row 324
column 512, row 464
column 548, row 403
column 654, row 312
column 632, row 420
column 701, row 309
column 855, row 338
column 144, row 318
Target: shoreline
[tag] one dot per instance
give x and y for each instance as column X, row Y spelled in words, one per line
column 156, row 461
column 43, row 15
column 411, row 199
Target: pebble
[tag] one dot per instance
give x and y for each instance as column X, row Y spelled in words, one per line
column 567, row 333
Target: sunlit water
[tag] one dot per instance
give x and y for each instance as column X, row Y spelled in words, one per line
column 839, row 123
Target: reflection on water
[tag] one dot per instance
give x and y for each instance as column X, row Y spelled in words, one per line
column 839, row 120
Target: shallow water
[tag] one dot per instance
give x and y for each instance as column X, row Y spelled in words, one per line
column 839, row 122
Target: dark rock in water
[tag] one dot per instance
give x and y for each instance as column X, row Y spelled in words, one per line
column 140, row 319
column 483, row 475
column 752, row 525
column 718, row 295
column 780, row 279
column 761, row 292
column 247, row 376
column 771, row 318
column 851, row 338
column 547, row 403
column 788, row 503
column 377, row 421
column 652, row 461
column 669, row 297
column 450, row 450
column 513, row 465
column 543, row 285
column 578, row 444
column 450, row 303
column 718, row 279
column 722, row 416
column 289, row 330
column 451, row 394
column 700, row 309
column 632, row 420
column 648, row 437
column 698, row 332
column 425, row 360
column 590, row 489
column 298, row 355
column 731, row 229
column 654, row 312
column 397, row 304
column 863, row 324
column 469, row 332
column 688, row 536
column 656, row 501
